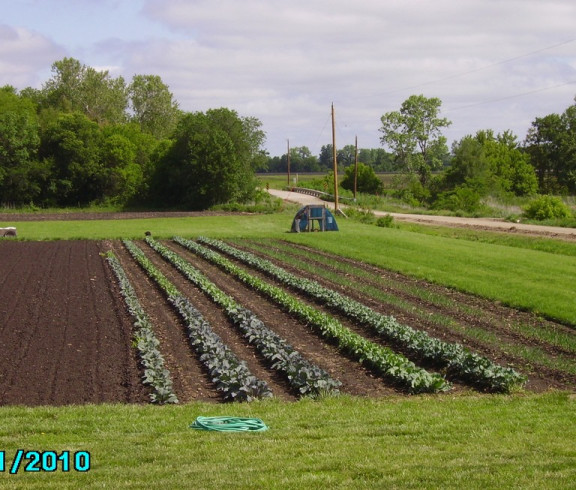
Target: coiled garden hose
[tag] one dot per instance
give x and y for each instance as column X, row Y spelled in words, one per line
column 229, row 424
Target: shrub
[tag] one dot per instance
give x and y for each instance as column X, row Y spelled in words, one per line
column 547, row 207
column 461, row 198
column 386, row 221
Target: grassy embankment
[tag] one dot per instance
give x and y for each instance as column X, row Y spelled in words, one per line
column 515, row 441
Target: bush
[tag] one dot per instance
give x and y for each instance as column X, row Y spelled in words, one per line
column 360, row 215
column 367, row 181
column 547, row 207
column 386, row 221
column 462, row 198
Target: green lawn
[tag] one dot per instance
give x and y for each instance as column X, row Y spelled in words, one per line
column 418, row 442
column 519, row 441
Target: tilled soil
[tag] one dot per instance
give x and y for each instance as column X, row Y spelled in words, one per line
column 66, row 336
column 64, row 330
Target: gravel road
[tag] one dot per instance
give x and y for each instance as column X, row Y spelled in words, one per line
column 479, row 223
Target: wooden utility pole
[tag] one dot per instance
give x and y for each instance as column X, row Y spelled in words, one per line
column 335, row 162
column 356, row 169
column 288, row 160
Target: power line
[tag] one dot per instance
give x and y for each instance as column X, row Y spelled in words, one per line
column 488, row 101
column 474, row 70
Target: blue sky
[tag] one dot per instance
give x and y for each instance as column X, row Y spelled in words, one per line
column 495, row 64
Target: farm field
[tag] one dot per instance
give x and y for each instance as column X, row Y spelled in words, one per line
column 58, row 354
column 376, row 434
column 65, row 335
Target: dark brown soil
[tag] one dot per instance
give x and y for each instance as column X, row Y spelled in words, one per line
column 64, row 331
column 65, row 335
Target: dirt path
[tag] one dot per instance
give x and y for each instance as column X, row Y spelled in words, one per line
column 492, row 224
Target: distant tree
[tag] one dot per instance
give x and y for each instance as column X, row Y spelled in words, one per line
column 326, row 157
column 551, row 144
column 301, row 160
column 346, row 156
column 377, row 158
column 487, row 164
column 414, row 134
column 367, row 181
column 153, row 105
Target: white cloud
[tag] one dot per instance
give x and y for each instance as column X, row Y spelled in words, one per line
column 286, row 62
column 24, row 54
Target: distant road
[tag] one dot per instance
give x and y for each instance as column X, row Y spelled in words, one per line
column 480, row 223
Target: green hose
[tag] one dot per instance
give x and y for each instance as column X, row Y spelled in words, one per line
column 229, row 424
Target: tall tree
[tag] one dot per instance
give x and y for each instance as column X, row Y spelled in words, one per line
column 75, row 87
column 414, row 134
column 551, row 143
column 490, row 164
column 72, row 144
column 210, row 162
column 20, row 173
column 153, row 105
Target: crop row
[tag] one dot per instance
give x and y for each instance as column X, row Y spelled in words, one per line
column 459, row 361
column 304, row 376
column 155, row 373
column 381, row 359
column 230, row 375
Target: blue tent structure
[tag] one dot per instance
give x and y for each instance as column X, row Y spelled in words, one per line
column 314, row 217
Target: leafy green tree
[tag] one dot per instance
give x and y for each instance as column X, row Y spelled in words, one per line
column 301, row 160
column 414, row 134
column 551, row 144
column 72, row 145
column 75, row 87
column 366, row 180
column 122, row 176
column 21, row 175
column 153, row 105
column 346, row 156
column 489, row 163
column 377, row 158
column 147, row 151
column 484, row 164
column 210, row 162
column 326, row 157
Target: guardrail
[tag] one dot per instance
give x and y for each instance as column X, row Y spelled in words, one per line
column 320, row 194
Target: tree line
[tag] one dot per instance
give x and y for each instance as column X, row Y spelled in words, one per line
column 86, row 137
column 460, row 177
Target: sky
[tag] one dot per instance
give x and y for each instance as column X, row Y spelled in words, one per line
column 494, row 64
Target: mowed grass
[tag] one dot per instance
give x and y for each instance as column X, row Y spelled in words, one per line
column 481, row 441
column 417, row 442
column 540, row 279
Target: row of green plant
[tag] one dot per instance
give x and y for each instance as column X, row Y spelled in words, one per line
column 305, row 377
column 155, row 373
column 422, row 303
column 382, row 360
column 230, row 375
column 459, row 361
